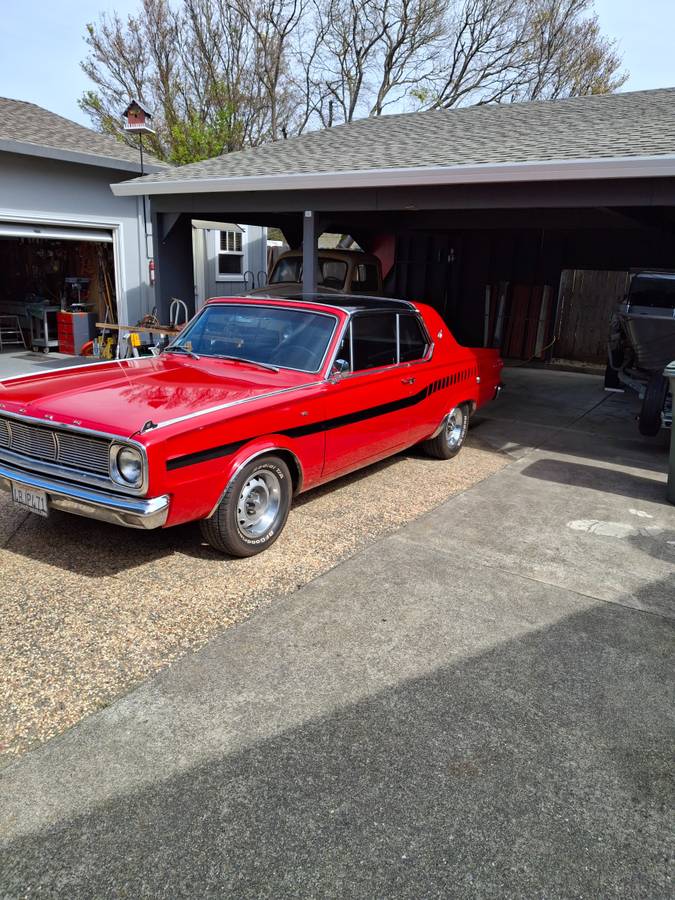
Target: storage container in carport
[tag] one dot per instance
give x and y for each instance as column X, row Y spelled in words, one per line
column 75, row 329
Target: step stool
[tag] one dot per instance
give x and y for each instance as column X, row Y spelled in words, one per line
column 10, row 332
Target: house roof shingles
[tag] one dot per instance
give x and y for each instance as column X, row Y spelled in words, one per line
column 614, row 126
column 23, row 123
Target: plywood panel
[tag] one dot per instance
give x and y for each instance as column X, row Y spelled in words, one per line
column 587, row 299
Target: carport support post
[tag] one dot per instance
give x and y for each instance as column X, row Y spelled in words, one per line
column 309, row 252
column 669, row 372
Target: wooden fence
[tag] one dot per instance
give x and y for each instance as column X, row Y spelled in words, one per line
column 586, row 301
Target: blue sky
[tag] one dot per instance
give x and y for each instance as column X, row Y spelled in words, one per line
column 41, row 45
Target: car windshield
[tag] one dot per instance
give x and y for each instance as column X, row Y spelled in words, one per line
column 271, row 337
column 332, row 272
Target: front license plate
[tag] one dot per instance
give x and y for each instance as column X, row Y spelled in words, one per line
column 30, row 498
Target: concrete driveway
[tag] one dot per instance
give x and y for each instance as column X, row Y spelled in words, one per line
column 480, row 704
column 24, row 362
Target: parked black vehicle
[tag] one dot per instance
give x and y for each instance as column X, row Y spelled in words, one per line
column 642, row 343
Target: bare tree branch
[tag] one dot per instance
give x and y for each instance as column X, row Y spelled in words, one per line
column 225, row 74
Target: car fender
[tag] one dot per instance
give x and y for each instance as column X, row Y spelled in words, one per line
column 471, row 403
column 260, row 447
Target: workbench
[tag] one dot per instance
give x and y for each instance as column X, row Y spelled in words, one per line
column 139, row 329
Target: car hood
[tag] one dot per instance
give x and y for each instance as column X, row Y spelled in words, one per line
column 120, row 397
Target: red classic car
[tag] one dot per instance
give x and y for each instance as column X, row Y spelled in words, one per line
column 256, row 400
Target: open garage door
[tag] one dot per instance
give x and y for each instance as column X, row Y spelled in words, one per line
column 56, row 282
column 17, row 230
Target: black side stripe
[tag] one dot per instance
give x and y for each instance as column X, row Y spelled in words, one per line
column 372, row 412
column 191, row 459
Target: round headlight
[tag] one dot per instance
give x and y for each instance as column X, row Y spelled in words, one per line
column 129, row 463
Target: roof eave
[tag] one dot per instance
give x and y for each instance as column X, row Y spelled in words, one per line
column 63, row 155
column 484, row 173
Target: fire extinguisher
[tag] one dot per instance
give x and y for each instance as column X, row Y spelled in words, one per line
column 151, row 272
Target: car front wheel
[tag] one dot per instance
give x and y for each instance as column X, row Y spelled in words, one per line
column 253, row 510
column 450, row 440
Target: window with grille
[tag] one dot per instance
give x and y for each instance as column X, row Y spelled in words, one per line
column 230, row 250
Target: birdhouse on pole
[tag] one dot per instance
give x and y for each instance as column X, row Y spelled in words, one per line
column 138, row 118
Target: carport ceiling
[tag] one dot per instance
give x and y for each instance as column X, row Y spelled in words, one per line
column 489, row 219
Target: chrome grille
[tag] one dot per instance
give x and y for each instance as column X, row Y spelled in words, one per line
column 65, row 448
column 83, row 452
column 32, row 441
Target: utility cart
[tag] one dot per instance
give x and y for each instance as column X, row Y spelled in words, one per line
column 43, row 326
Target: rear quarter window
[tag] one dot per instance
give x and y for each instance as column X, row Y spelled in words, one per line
column 414, row 344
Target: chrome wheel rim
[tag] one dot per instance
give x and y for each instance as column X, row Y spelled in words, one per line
column 259, row 503
column 454, row 427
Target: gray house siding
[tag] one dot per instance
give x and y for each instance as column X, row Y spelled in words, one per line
column 206, row 264
column 47, row 191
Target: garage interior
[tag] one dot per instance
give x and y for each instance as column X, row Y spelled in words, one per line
column 56, row 284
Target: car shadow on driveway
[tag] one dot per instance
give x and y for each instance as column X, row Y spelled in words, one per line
column 95, row 549
column 539, row 768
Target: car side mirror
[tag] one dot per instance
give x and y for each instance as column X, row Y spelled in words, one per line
column 340, row 368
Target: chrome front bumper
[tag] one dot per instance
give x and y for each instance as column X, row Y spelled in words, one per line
column 83, row 501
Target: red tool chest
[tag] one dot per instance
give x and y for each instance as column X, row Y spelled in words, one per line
column 74, row 330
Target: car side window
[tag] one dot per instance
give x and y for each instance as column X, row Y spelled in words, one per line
column 412, row 339
column 373, row 341
column 344, row 351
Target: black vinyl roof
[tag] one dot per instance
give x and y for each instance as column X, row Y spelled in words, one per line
column 349, row 302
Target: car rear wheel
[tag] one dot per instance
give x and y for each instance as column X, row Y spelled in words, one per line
column 649, row 422
column 450, row 440
column 253, row 511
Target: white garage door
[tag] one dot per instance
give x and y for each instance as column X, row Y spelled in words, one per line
column 55, row 232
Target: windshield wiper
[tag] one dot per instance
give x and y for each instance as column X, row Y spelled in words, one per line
column 251, row 362
column 177, row 348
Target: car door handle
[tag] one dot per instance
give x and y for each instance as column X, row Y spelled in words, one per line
column 410, row 380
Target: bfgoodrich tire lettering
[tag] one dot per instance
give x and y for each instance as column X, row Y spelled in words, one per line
column 450, row 440
column 254, row 509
